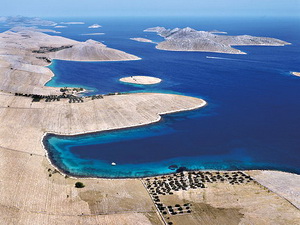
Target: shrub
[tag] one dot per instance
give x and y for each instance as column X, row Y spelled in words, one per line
column 79, row 185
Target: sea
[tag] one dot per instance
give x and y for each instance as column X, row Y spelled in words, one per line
column 251, row 121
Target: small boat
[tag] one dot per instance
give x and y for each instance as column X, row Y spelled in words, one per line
column 113, row 164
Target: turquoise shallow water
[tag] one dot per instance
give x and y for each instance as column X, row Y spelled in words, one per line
column 99, row 165
column 251, row 120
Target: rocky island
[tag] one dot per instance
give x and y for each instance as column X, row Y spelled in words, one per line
column 188, row 39
column 72, row 23
column 142, row 40
column 93, row 34
column 26, row 21
column 94, row 26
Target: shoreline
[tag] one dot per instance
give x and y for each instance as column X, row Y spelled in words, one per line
column 71, row 175
column 78, row 134
column 109, row 130
column 220, row 52
column 34, row 189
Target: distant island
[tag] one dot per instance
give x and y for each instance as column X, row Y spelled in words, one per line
column 95, row 26
column 26, row 21
column 60, row 27
column 93, row 34
column 142, row 40
column 72, row 23
column 19, row 29
column 188, row 39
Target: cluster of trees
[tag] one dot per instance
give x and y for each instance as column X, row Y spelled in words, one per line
column 51, row 49
column 65, row 89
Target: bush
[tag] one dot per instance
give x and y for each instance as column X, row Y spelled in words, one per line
column 79, row 185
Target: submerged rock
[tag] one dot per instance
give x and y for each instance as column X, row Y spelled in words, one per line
column 181, row 169
column 173, row 167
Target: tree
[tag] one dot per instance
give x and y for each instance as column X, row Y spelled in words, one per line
column 79, row 185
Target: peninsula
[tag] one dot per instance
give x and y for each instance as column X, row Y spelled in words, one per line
column 24, row 53
column 188, row 39
column 33, row 190
column 144, row 80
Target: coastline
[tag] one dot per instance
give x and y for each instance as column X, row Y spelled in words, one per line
column 114, row 129
column 53, row 199
column 85, row 89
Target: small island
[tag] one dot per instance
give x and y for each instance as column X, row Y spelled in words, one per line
column 26, row 21
column 72, row 23
column 144, row 80
column 93, row 34
column 142, row 40
column 60, row 26
column 296, row 74
column 94, row 26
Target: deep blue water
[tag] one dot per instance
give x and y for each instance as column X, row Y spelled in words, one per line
column 252, row 120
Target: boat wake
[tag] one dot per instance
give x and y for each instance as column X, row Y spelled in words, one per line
column 242, row 60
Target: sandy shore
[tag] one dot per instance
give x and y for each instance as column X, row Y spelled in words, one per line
column 34, row 192
column 144, row 80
